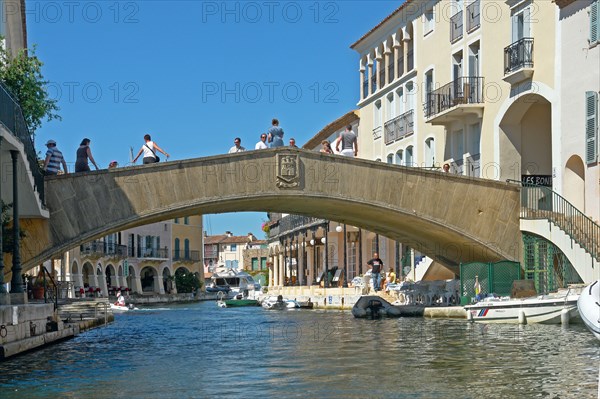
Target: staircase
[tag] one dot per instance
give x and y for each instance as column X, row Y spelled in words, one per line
column 73, row 311
column 538, row 202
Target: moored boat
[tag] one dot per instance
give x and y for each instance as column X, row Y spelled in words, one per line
column 372, row 306
column 121, row 308
column 556, row 308
column 232, row 303
column 589, row 308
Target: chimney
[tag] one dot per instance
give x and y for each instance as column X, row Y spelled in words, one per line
column 251, row 237
column 228, row 233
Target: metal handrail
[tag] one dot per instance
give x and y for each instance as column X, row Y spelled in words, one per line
column 46, row 275
column 464, row 90
column 11, row 116
column 541, row 202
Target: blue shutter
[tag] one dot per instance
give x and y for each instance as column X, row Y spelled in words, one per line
column 591, row 127
column 594, row 22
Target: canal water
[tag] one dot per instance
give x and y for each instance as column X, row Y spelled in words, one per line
column 201, row 351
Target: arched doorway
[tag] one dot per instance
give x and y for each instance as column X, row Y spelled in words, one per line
column 574, row 182
column 525, row 140
column 111, row 277
column 131, row 278
column 87, row 275
column 148, row 278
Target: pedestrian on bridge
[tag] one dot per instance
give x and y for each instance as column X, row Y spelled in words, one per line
column 149, row 150
column 262, row 145
column 237, row 146
column 275, row 134
column 83, row 154
column 349, row 143
column 54, row 158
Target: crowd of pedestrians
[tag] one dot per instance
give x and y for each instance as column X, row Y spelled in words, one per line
column 272, row 138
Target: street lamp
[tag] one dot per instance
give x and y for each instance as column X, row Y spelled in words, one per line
column 338, row 228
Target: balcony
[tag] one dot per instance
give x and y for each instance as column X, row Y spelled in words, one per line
column 399, row 127
column 186, row 256
column 473, row 16
column 101, row 248
column 156, row 253
column 456, row 27
column 455, row 100
column 474, row 165
column 518, row 61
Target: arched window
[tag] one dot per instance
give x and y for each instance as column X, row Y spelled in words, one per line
column 176, row 251
column 408, row 155
column 399, row 157
column 429, row 151
column 390, row 158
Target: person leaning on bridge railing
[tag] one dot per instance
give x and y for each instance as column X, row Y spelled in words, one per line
column 148, row 151
column 54, row 158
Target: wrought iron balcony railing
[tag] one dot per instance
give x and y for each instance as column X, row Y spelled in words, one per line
column 467, row 90
column 158, row 253
column 518, row 55
column 473, row 16
column 101, row 248
column 377, row 133
column 183, row 255
column 456, row 26
column 11, row 116
column 399, row 127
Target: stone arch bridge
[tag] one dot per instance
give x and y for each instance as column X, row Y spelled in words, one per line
column 447, row 217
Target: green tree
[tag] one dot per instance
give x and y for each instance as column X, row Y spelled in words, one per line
column 186, row 282
column 22, row 75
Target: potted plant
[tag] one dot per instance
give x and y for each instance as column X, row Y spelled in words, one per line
column 37, row 288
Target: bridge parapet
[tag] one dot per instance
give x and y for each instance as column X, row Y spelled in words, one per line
column 451, row 218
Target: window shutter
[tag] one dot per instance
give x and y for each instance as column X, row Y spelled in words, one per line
column 515, row 28
column 594, row 22
column 591, row 127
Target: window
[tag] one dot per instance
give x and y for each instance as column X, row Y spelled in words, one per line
column 409, row 156
column 233, row 247
column 429, row 151
column 591, row 127
column 390, row 159
column 399, row 157
column 186, row 248
column 186, row 220
column 595, row 22
column 429, row 21
column 177, row 220
column 390, row 108
column 377, row 114
column 521, row 25
column 176, row 250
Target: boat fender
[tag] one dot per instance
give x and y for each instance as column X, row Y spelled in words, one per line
column 565, row 317
column 522, row 318
column 470, row 316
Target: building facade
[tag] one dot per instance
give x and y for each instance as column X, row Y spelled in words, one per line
column 142, row 260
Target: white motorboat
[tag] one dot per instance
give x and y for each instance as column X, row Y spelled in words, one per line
column 121, row 308
column 556, row 308
column 279, row 303
column 233, row 283
column 589, row 308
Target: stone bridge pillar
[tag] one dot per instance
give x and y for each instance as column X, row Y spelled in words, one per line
column 275, row 261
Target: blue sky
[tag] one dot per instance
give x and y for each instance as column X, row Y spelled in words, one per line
column 196, row 74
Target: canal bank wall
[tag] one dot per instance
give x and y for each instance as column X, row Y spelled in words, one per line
column 345, row 298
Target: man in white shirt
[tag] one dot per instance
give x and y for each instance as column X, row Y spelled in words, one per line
column 262, row 145
column 237, row 147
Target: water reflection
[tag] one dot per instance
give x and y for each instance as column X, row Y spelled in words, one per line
column 197, row 351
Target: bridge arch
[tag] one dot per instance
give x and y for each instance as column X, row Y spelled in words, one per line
column 432, row 212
